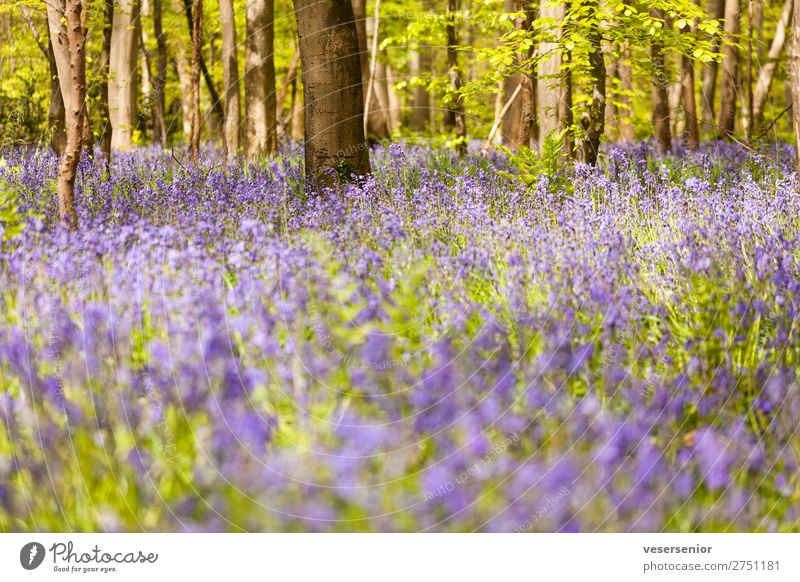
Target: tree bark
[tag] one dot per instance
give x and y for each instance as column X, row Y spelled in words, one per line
column 56, row 113
column 660, row 82
column 551, row 118
column 68, row 166
column 626, row 129
column 689, row 103
column 122, row 86
column 594, row 120
column 216, row 103
column 160, row 124
column 105, row 59
column 767, row 72
column 708, row 92
column 795, row 73
column 333, row 99
column 230, row 74
column 457, row 107
column 197, row 51
column 377, row 124
column 261, row 135
column 420, row 67
column 730, row 73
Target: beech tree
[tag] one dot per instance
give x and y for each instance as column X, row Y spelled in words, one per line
column 332, row 95
column 230, row 72
column 730, row 73
column 69, row 35
column 122, row 85
column 261, row 134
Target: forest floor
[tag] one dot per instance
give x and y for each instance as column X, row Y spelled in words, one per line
column 447, row 346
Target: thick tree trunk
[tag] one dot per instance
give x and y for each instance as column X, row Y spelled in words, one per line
column 594, row 120
column 689, row 103
column 795, row 72
column 377, row 124
column 122, row 86
column 68, row 167
column 708, row 92
column 626, row 129
column 660, row 82
column 159, row 123
column 334, row 102
column 105, row 59
column 261, row 135
column 551, row 118
column 197, row 52
column 765, row 76
column 730, row 73
column 457, row 106
column 230, row 74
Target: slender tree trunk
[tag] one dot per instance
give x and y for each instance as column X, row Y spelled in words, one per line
column 660, row 94
column 594, row 121
column 549, row 79
column 716, row 10
column 689, row 103
column 261, row 134
column 122, row 86
column 730, row 73
column 216, row 102
column 197, row 51
column 626, row 129
column 334, row 102
column 56, row 112
column 160, row 124
column 184, row 70
column 68, row 167
column 566, row 106
column 420, row 67
column 105, row 59
column 795, row 72
column 230, row 74
column 457, row 107
column 511, row 85
column 377, row 125
column 765, row 76
column 289, row 82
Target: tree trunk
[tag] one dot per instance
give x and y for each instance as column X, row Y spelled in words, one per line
column 708, row 92
column 594, row 121
column 122, row 86
column 626, row 129
column 197, row 51
column 551, row 118
column 105, row 59
column 68, row 166
column 159, row 123
column 689, row 103
column 377, row 125
column 420, row 67
column 795, row 72
column 730, row 73
column 216, row 103
column 660, row 82
column 333, row 100
column 230, row 74
column 261, row 135
column 767, row 72
column 184, row 70
column 457, row 106
column 56, row 112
